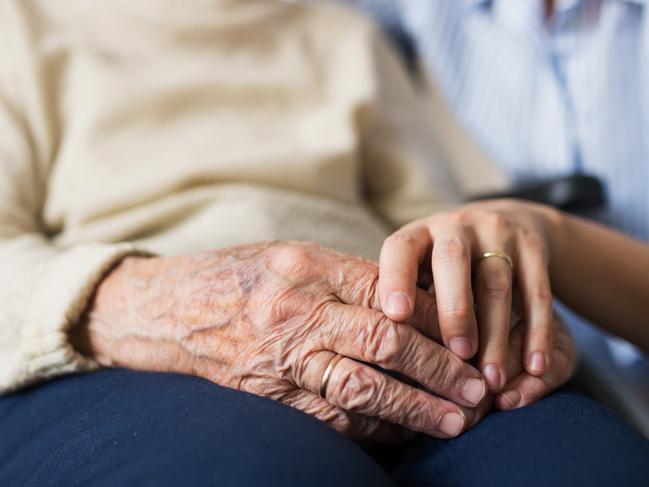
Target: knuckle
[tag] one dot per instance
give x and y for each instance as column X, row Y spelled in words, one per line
column 359, row 281
column 450, row 250
column 358, row 390
column 369, row 287
column 541, row 337
column 454, row 313
column 400, row 240
column 543, row 329
column 447, row 368
column 541, row 296
column 496, row 348
column 533, row 242
column 499, row 222
column 385, row 343
column 418, row 413
column 289, row 258
column 463, row 216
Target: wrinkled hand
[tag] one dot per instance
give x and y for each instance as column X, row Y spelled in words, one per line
column 268, row 319
column 474, row 295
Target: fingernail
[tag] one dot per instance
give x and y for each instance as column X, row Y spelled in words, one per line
column 537, row 362
column 397, row 303
column 510, row 399
column 461, row 346
column 492, row 374
column 474, row 391
column 451, row 424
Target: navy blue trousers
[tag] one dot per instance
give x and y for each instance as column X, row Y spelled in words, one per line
column 122, row 428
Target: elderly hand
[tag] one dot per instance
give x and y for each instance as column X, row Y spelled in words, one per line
column 447, row 249
column 269, row 319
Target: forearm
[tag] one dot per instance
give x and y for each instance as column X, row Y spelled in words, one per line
column 601, row 274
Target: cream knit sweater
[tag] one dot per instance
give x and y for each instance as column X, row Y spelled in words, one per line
column 176, row 126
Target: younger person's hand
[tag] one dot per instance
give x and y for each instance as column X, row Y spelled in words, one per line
column 523, row 388
column 476, row 256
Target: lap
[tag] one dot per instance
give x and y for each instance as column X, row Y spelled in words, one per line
column 564, row 439
column 116, row 427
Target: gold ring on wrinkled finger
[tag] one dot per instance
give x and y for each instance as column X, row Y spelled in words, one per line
column 327, row 375
column 500, row 255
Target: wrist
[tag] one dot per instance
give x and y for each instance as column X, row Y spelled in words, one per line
column 112, row 309
column 554, row 225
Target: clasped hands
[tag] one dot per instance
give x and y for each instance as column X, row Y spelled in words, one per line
column 269, row 318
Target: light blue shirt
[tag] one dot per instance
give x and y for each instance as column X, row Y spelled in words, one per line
column 546, row 99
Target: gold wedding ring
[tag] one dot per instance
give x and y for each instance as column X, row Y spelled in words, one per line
column 327, row 375
column 501, row 255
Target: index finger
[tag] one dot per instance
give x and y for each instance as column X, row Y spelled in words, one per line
column 401, row 255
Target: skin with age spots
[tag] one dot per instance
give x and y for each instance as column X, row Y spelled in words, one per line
column 268, row 318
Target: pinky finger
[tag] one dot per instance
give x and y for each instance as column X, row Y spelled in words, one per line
column 525, row 389
column 522, row 391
